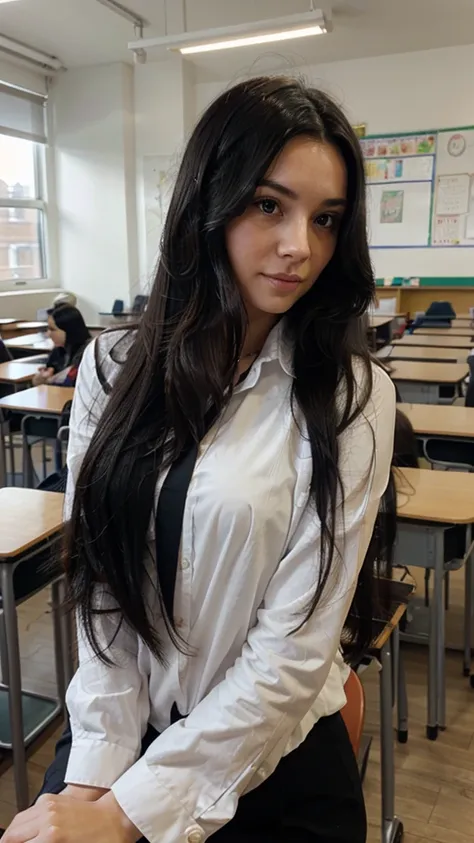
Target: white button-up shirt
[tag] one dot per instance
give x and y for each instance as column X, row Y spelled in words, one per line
column 252, row 687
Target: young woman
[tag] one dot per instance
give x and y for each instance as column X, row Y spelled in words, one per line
column 227, row 460
column 69, row 333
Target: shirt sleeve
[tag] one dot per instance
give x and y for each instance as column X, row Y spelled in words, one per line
column 188, row 783
column 108, row 707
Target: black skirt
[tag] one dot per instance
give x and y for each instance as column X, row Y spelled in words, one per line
column 314, row 795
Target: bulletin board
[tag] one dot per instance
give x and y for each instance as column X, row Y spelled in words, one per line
column 420, row 189
column 453, row 215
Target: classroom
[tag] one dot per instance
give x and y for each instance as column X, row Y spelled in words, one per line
column 219, row 220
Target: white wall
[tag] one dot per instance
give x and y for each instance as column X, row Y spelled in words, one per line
column 92, row 112
column 164, row 116
column 399, row 93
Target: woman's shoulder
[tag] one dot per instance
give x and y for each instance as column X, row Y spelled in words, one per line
column 374, row 394
column 108, row 352
column 382, row 394
column 101, row 362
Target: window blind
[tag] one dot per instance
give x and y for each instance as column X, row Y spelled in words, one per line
column 22, row 114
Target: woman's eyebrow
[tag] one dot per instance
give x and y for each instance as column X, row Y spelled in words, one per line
column 335, row 202
column 280, row 188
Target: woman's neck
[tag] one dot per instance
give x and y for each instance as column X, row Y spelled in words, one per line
column 259, row 327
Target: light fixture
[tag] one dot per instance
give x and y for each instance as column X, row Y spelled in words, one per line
column 250, row 40
column 7, row 1
column 18, row 50
column 243, row 35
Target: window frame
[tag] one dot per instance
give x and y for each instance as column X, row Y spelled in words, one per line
column 38, row 203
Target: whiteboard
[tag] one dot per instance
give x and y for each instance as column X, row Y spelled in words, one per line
column 402, row 220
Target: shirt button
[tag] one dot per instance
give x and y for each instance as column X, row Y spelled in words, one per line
column 195, row 835
column 185, row 564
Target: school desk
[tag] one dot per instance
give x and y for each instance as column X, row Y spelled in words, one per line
column 429, row 503
column 433, row 339
column 41, row 400
column 28, row 344
column 444, row 332
column 428, row 383
column 429, row 354
column 30, row 530
column 17, row 373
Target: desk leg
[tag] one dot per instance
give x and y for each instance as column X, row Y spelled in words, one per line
column 392, row 830
column 59, row 644
column 467, row 605
column 440, row 629
column 3, row 459
column 432, row 724
column 14, row 694
column 401, row 688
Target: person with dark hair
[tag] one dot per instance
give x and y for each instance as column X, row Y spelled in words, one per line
column 227, row 459
column 70, row 335
column 405, row 447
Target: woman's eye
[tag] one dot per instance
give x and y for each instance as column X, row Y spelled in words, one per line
column 267, row 206
column 326, row 221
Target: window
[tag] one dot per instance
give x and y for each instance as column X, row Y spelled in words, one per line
column 22, row 199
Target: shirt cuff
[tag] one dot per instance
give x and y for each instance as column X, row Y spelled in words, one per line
column 153, row 809
column 96, row 763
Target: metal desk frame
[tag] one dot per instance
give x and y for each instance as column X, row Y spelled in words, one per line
column 12, row 666
column 426, row 540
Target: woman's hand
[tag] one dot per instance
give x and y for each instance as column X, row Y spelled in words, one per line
column 62, row 819
column 38, row 379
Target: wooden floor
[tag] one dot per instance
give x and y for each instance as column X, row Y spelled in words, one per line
column 435, row 781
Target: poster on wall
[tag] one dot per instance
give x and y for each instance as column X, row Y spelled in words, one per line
column 423, row 144
column 391, row 206
column 158, row 181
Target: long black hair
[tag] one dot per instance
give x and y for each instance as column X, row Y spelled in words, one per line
column 186, row 348
column 70, row 320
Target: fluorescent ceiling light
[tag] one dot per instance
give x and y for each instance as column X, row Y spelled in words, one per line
column 7, row 1
column 242, row 35
column 250, row 40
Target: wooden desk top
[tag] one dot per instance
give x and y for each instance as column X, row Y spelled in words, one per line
column 427, row 353
column 445, row 497
column 380, row 321
column 445, row 332
column 15, row 372
column 408, row 370
column 43, row 400
column 32, row 326
column 392, row 624
column 461, row 322
column 38, row 342
column 440, row 419
column 27, row 516
column 38, row 359
column 7, row 322
column 440, row 342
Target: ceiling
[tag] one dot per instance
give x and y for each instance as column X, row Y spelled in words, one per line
column 83, row 32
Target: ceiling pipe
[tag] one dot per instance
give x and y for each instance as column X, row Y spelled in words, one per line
column 124, row 12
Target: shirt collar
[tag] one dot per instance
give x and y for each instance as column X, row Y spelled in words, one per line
column 277, row 347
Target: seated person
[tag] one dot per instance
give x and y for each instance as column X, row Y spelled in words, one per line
column 67, row 329
column 65, row 298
